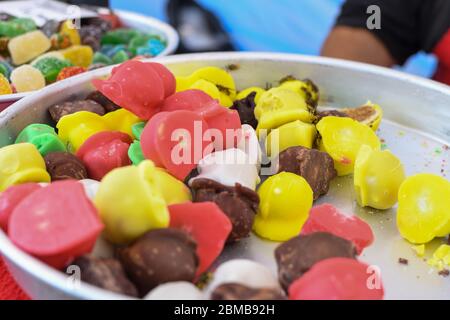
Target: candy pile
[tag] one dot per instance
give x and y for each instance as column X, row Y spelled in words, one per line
column 167, row 170
column 31, row 57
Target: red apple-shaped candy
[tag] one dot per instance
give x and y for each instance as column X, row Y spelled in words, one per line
column 167, row 78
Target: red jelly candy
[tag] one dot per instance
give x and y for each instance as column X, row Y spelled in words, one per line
column 56, row 224
column 338, row 279
column 11, row 197
column 174, row 140
column 167, row 77
column 327, row 218
column 104, row 152
column 135, row 86
column 207, row 224
column 193, row 100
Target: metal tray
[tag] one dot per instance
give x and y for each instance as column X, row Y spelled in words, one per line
column 416, row 127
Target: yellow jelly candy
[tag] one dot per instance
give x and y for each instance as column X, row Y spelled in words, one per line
column 173, row 190
column 219, row 77
column 296, row 133
column 210, row 89
column 244, row 93
column 21, row 163
column 441, row 257
column 121, row 120
column 28, row 46
column 342, row 138
column 183, row 83
column 377, row 178
column 423, row 208
column 69, row 29
column 129, row 203
column 370, row 114
column 77, row 127
column 27, row 78
column 305, row 88
column 5, row 87
column 80, row 56
column 285, row 201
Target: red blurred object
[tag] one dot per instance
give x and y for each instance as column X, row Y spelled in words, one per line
column 9, row 289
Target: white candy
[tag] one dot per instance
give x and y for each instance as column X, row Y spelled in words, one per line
column 229, row 167
column 249, row 143
column 244, row 272
column 179, row 290
column 90, row 187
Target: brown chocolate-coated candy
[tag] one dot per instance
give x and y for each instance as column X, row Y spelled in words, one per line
column 246, row 108
column 60, row 110
column 101, row 99
column 298, row 255
column 238, row 203
column 105, row 273
column 64, row 165
column 315, row 166
column 329, row 113
column 235, row 291
column 160, row 256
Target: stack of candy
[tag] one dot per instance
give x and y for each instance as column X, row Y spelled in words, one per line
column 32, row 58
column 167, row 170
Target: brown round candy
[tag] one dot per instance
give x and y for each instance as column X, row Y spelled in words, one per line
column 238, row 203
column 64, row 165
column 101, row 99
column 246, row 108
column 299, row 254
column 60, row 110
column 105, row 273
column 235, row 291
column 160, row 256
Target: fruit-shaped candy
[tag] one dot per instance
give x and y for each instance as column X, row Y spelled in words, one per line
column 80, row 56
column 377, row 178
column 28, row 46
column 306, row 88
column 5, row 87
column 342, row 138
column 369, row 114
column 423, row 208
column 43, row 137
column 129, row 204
column 121, row 120
column 20, row 163
column 296, row 133
column 285, row 201
column 50, row 67
column 244, row 93
column 27, row 78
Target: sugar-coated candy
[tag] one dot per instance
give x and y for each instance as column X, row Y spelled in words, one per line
column 98, row 97
column 296, row 133
column 60, row 41
column 135, row 153
column 423, row 208
column 246, row 109
column 156, row 46
column 64, row 165
column 258, row 91
column 106, row 273
column 101, row 58
column 77, row 127
column 160, row 256
column 342, row 138
column 27, row 78
column 121, row 120
column 69, row 29
column 249, row 143
column 285, row 201
column 207, row 224
column 43, row 137
column 377, row 178
column 299, row 254
column 55, row 224
column 315, row 166
column 171, row 140
column 234, row 291
column 20, row 163
column 60, row 110
column 238, row 203
column 137, row 41
column 338, row 279
column 5, row 87
column 327, row 218
column 129, row 204
column 50, row 54
column 177, row 290
column 119, row 36
column 50, row 67
column 103, row 152
column 120, row 56
column 68, row 72
column 16, row 27
column 11, row 197
column 78, row 55
column 28, row 46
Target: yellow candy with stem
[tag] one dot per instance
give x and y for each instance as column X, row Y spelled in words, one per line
column 80, row 56
column 121, row 120
column 285, row 201
column 424, row 208
column 377, row 178
column 244, row 93
column 296, row 133
column 130, row 204
column 21, row 163
column 5, row 87
column 342, row 138
column 69, row 29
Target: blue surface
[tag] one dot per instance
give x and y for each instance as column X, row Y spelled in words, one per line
column 266, row 25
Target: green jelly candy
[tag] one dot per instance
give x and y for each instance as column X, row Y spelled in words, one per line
column 101, row 58
column 137, row 129
column 16, row 27
column 138, row 42
column 119, row 36
column 135, row 153
column 51, row 67
column 120, row 57
column 43, row 137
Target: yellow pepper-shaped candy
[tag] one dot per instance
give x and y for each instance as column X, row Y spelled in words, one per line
column 377, row 178
column 77, row 127
column 121, row 120
column 342, row 138
column 21, row 163
column 69, row 29
column 424, row 208
column 285, row 201
column 244, row 93
column 296, row 133
column 130, row 204
column 80, row 56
